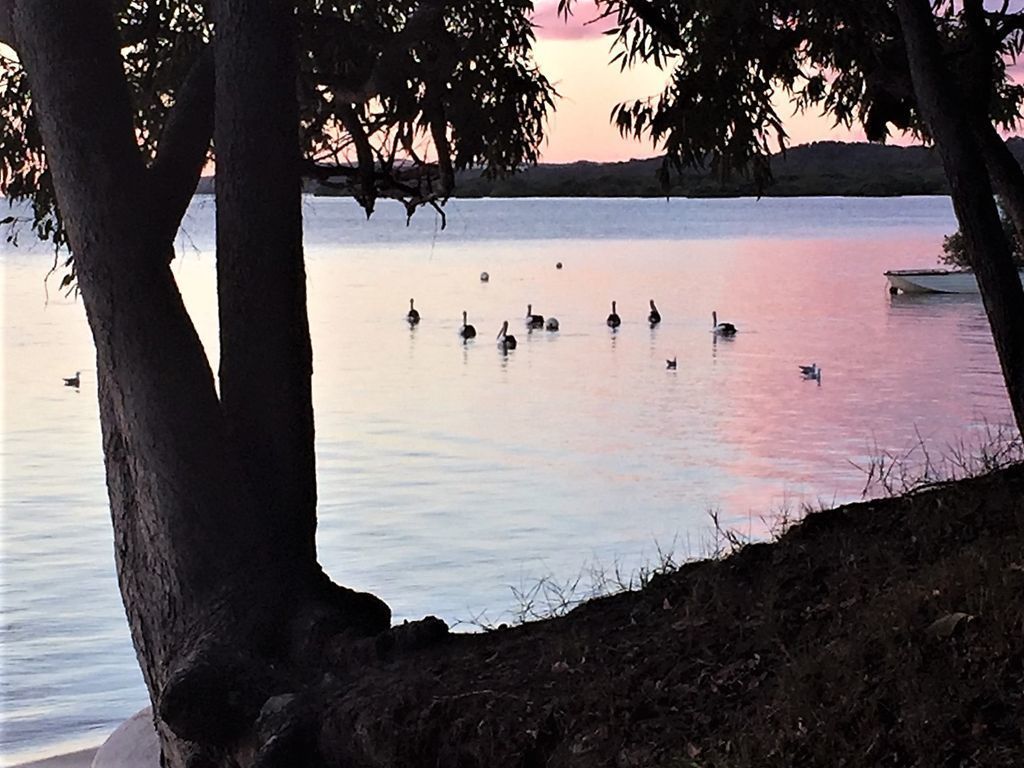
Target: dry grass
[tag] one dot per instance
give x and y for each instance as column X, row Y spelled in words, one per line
column 890, row 473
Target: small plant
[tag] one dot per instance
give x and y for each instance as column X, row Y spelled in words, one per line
column 954, row 249
column 889, row 473
column 548, row 597
column 725, row 541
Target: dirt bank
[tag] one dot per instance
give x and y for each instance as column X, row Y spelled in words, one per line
column 883, row 633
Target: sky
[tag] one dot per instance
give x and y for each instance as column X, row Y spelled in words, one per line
column 574, row 56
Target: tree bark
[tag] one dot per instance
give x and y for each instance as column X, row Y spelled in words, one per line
column 173, row 489
column 943, row 110
column 213, row 543
column 1004, row 171
column 266, row 354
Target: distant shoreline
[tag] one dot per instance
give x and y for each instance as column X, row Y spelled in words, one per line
column 819, row 169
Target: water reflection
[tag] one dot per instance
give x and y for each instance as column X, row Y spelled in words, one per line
column 603, row 451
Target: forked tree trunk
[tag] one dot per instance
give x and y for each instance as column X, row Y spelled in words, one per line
column 212, row 505
column 973, row 202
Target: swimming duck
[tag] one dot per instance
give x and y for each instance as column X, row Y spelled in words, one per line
column 551, row 324
column 722, row 329
column 671, row 364
column 613, row 319
column 75, row 381
column 504, row 339
column 414, row 316
column 532, row 320
column 467, row 331
column 655, row 316
column 811, row 372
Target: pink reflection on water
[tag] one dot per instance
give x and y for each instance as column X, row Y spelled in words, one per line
column 895, row 371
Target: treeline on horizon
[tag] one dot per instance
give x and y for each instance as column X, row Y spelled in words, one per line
column 846, row 169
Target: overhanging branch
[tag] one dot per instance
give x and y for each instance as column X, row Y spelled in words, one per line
column 413, row 188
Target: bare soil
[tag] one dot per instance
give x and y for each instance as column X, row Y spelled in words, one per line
column 885, row 633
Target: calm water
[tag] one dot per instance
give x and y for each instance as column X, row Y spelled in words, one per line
column 448, row 473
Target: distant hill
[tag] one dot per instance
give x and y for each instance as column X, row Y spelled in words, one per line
column 809, row 170
column 821, row 168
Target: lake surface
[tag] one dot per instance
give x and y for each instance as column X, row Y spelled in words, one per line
column 449, row 473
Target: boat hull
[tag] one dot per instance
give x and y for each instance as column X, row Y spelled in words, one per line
column 932, row 281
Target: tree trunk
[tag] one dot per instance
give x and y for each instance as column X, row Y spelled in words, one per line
column 225, row 602
column 989, row 253
column 1005, row 172
column 977, row 78
column 266, row 355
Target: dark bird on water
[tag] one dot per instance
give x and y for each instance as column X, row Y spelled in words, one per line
column 655, row 317
column 614, row 321
column 811, row 372
column 671, row 364
column 506, row 341
column 75, row 381
column 414, row 316
column 722, row 329
column 532, row 320
column 467, row 331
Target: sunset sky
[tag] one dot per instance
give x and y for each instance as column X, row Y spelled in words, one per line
column 575, row 57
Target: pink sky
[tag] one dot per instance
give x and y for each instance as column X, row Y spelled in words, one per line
column 575, row 57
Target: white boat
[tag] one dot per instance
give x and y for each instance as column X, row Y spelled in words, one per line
column 932, row 281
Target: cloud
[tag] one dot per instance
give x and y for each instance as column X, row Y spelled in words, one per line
column 580, row 26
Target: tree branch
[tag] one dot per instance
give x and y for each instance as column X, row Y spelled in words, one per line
column 1004, row 170
column 650, row 16
column 89, row 159
column 364, row 153
column 184, row 144
column 1005, row 23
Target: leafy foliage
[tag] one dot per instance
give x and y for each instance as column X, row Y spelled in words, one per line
column 411, row 92
column 23, row 171
column 954, row 249
column 394, row 96
column 733, row 63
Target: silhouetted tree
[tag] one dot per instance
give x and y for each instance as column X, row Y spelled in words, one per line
column 108, row 120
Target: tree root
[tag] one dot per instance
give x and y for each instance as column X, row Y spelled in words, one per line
column 244, row 699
